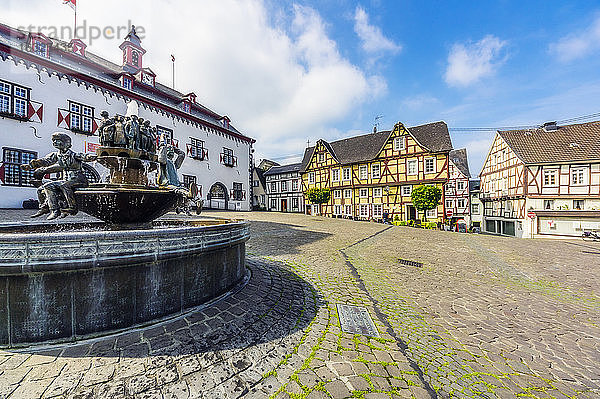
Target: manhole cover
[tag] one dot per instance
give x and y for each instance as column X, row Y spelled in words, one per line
column 356, row 320
column 410, row 263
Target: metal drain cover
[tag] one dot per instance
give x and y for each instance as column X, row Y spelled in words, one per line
column 356, row 320
column 410, row 263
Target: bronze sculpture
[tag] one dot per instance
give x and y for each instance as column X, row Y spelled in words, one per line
column 56, row 196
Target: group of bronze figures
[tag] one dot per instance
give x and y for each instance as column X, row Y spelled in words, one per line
column 56, row 197
column 129, row 132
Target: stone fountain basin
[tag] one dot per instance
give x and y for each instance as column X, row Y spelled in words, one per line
column 63, row 282
column 120, row 204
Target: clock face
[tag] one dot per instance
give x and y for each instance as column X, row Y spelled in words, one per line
column 147, row 79
column 135, row 57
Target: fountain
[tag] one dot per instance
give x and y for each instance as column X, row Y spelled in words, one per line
column 66, row 281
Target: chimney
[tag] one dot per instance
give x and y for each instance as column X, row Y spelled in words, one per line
column 550, row 126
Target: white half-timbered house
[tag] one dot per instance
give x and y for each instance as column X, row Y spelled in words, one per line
column 456, row 190
column 543, row 182
column 49, row 85
column 284, row 188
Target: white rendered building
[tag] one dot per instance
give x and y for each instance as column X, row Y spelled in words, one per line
column 48, row 85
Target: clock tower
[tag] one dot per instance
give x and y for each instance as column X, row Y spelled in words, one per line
column 132, row 52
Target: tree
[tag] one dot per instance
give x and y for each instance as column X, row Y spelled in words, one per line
column 425, row 198
column 318, row 195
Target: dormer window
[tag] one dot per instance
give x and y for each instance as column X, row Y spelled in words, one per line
column 40, row 49
column 127, row 83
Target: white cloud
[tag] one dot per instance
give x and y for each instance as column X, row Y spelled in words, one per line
column 278, row 83
column 419, row 101
column 468, row 63
column 578, row 45
column 372, row 40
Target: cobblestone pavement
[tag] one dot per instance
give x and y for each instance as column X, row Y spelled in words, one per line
column 482, row 317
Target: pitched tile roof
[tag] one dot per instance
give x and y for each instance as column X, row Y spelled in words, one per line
column 275, row 170
column 432, row 136
column 569, row 143
column 459, row 158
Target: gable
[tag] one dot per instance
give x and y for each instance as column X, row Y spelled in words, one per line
column 411, row 146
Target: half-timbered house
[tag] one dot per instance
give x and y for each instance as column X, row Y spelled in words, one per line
column 543, row 182
column 374, row 174
column 49, row 85
column 284, row 188
column 456, row 190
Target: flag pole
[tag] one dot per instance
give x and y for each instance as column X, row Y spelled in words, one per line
column 75, row 29
column 173, row 61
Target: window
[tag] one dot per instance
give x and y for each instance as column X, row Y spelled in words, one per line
column 375, row 171
column 377, row 192
column 40, row 49
column 577, row 176
column 81, row 117
column 364, row 210
column 431, row 213
column 283, row 185
column 413, row 167
column 295, row 202
column 227, row 157
column 346, row 174
column 127, row 83
column 315, row 209
column 550, row 177
column 197, row 150
column 348, row 210
column 255, row 183
column 188, row 180
column 462, row 203
column 238, row 192
column 377, row 210
column 475, row 209
column 273, row 187
column 347, row 193
column 187, row 107
column 13, row 99
column 311, row 177
column 335, row 174
column 406, row 190
column 274, row 203
column 13, row 174
column 337, row 194
column 362, row 172
column 164, row 134
column 399, row 143
column 578, row 205
column 449, row 203
column 460, row 185
column 363, row 193
column 294, row 185
column 429, row 165
column 337, row 210
column 549, row 204
column 321, row 157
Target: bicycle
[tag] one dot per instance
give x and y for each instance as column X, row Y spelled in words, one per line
column 590, row 236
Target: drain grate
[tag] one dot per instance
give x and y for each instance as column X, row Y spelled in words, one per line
column 410, row 263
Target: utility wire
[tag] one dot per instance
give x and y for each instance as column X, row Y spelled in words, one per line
column 493, row 129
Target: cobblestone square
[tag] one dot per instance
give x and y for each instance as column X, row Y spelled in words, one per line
column 483, row 317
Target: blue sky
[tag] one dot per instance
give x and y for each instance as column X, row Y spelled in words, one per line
column 288, row 72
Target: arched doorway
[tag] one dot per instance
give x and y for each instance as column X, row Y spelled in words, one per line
column 217, row 196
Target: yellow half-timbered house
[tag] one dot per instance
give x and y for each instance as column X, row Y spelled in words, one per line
column 374, row 174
